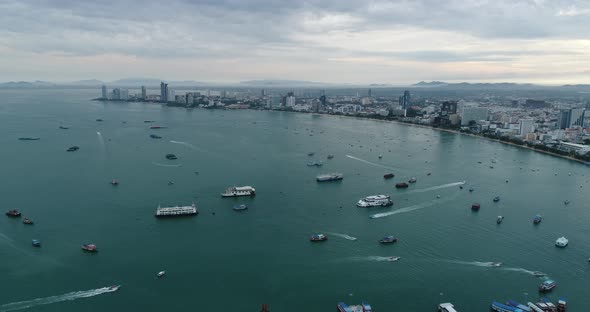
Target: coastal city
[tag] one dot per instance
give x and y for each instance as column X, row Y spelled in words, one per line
column 555, row 126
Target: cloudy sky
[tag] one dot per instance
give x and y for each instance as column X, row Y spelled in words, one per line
column 341, row 41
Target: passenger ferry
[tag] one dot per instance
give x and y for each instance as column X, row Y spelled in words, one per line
column 547, row 285
column 176, row 211
column 239, row 191
column 363, row 307
column 329, row 177
column 500, row 307
column 375, row 201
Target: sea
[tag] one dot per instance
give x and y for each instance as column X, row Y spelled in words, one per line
column 225, row 260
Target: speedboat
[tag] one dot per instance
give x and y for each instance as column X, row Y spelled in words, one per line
column 388, row 240
column 496, row 199
column 388, row 175
column 171, row 156
column 36, row 243
column 72, row 149
column 561, row 242
column 496, row 264
column 28, row 221
column 539, row 274
column 240, row 207
column 413, row 180
column 161, row 273
column 393, row 258
column 499, row 219
column 537, row 219
column 318, row 238
column 13, row 213
column 89, row 247
column 114, row 287
column 547, row 285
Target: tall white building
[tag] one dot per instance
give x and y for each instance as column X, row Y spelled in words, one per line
column 143, row 93
column 171, row 96
column 526, row 126
column 105, row 94
column 290, row 101
column 473, row 114
column 189, row 99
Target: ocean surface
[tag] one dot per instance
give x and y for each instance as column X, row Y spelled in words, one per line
column 223, row 260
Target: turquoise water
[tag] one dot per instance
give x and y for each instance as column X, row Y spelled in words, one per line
column 235, row 261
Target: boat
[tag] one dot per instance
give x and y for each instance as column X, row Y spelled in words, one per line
column 171, row 157
column 310, row 154
column 496, row 199
column 534, row 307
column 460, row 187
column 566, row 202
column 13, row 213
column 380, row 156
column 29, row 139
column 318, row 238
column 374, row 201
column 315, row 163
column 561, row 242
column 170, row 183
column 157, row 127
column 388, row 240
column 114, row 182
column 154, row 136
column 264, row 308
column 363, row 307
column 391, row 259
column 500, row 307
column 471, row 190
column 98, row 119
column 388, row 175
column 539, row 274
column 161, row 273
column 401, row 185
column 148, row 121
column 114, row 287
column 72, row 149
column 330, row 156
column 240, row 207
column 89, row 248
column 412, row 180
column 547, row 285
column 27, row 221
column 176, row 211
column 518, row 305
column 329, row 177
column 495, row 264
column 446, row 307
column 428, row 174
column 561, row 305
column 475, row 207
column 499, row 219
column 236, row 191
column 36, row 243
column 537, row 219
column 64, row 128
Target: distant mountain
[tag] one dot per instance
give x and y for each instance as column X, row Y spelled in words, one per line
column 430, row 84
column 576, row 86
column 136, row 82
column 87, row 82
column 27, row 84
column 477, row 85
column 281, row 83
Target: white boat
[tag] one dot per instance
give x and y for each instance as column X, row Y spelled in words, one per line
column 239, row 191
column 561, row 242
column 446, row 307
column 375, row 201
column 496, row 264
column 161, row 273
column 176, row 211
column 329, row 177
column 393, row 259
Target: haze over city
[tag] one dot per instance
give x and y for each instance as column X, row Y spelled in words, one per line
column 359, row 42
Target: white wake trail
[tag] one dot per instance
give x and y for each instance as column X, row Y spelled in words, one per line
column 438, row 187
column 54, row 299
column 370, row 163
column 165, row 165
column 412, row 208
column 185, row 144
column 343, row 236
column 100, row 139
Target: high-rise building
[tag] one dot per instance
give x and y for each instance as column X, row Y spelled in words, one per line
column 171, row 96
column 473, row 114
column 116, row 94
column 124, row 94
column 448, row 108
column 316, row 106
column 323, row 100
column 163, row 92
column 143, row 93
column 404, row 101
column 104, row 92
column 262, row 92
column 223, row 94
column 290, row 101
column 526, row 126
column 189, row 99
column 369, row 93
column 569, row 118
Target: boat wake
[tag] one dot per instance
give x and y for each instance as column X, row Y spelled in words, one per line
column 370, row 163
column 370, row 258
column 100, row 139
column 428, row 189
column 538, row 274
column 344, row 236
column 54, row 299
column 473, row 263
column 185, row 144
column 411, row 208
column 167, row 165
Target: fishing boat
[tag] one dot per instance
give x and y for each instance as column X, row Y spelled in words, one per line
column 161, row 273
column 98, row 119
column 310, row 154
column 89, row 248
column 363, row 307
column 412, row 180
column 388, row 240
column 537, row 219
column 318, row 238
column 547, row 285
column 114, row 182
column 236, row 191
column 561, row 242
column 148, row 121
column 28, row 221
column 157, row 127
column 36, row 243
column 380, row 156
column 388, row 175
column 499, row 219
column 566, row 202
column 471, row 190
column 240, row 207
column 475, row 207
column 171, row 157
column 13, row 213
column 496, row 199
column 154, row 136
column 401, row 185
column 73, row 149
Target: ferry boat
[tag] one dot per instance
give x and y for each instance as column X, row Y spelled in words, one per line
column 329, row 177
column 561, row 242
column 388, row 175
column 496, row 199
column 500, row 307
column 537, row 219
column 240, row 207
column 28, row 221
column 315, row 163
column 475, row 207
column 73, row 149
column 89, row 248
column 561, row 305
column 401, row 185
column 547, row 285
column 518, row 305
column 29, row 139
column 375, row 201
column 36, row 243
column 388, row 240
column 499, row 219
column 446, row 307
column 412, row 180
column 176, row 211
column 13, row 213
column 239, row 191
column 153, row 136
column 363, row 307
column 318, row 238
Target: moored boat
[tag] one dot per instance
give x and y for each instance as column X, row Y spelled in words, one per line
column 475, row 206
column 318, row 238
column 561, row 305
column 388, row 175
column 547, row 285
column 401, row 185
column 500, row 307
column 89, row 248
column 329, row 177
column 561, row 242
column 236, row 191
column 388, row 240
column 13, row 213
column 537, row 219
column 28, row 221
column 240, row 207
column 363, row 307
column 375, row 201
column 518, row 305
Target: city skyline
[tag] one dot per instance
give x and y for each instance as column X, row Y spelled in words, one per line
column 389, row 42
